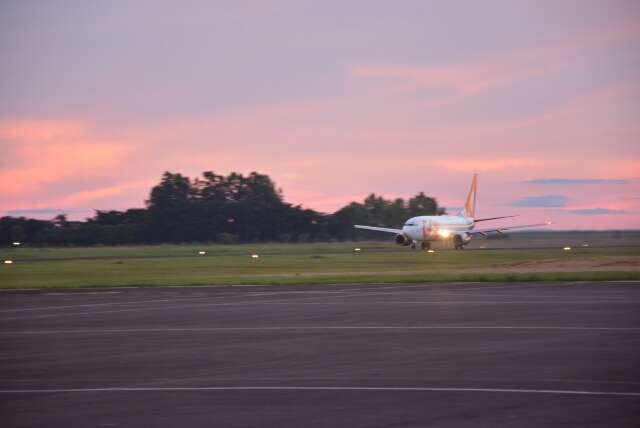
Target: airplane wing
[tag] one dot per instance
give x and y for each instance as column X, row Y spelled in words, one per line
column 379, row 229
column 485, row 232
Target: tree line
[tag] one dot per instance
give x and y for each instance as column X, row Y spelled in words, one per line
column 217, row 208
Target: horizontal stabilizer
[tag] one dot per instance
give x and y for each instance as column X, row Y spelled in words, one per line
column 378, row 229
column 493, row 218
column 484, row 232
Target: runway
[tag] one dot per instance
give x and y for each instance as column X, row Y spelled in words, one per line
column 450, row 355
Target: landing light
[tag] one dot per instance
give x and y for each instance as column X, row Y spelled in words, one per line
column 8, row 262
column 567, row 248
column 254, row 256
column 202, row 253
column 357, row 249
column 431, row 251
column 16, row 244
column 444, row 233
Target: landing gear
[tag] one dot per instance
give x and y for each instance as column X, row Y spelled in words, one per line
column 413, row 245
column 458, row 244
column 426, row 246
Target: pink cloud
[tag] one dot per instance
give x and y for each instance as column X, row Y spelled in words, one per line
column 487, row 164
column 45, row 152
column 468, row 78
column 140, row 187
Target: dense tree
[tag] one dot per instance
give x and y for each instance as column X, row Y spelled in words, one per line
column 422, row 204
column 20, row 229
column 233, row 208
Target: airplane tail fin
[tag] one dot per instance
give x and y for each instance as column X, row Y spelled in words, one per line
column 470, row 205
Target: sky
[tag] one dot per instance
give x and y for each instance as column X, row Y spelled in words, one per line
column 332, row 99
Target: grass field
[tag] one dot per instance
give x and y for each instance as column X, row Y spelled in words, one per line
column 324, row 263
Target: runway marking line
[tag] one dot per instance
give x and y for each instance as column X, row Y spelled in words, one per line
column 172, row 299
column 129, row 302
column 320, row 388
column 298, row 301
column 381, row 285
column 294, row 302
column 310, row 328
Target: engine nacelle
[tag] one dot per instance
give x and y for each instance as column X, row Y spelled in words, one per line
column 401, row 239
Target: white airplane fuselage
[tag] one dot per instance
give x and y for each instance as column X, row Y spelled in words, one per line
column 437, row 228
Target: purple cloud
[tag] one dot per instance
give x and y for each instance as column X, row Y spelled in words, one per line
column 598, row 211
column 544, row 201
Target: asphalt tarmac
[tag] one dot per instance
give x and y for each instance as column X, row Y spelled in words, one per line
column 450, row 355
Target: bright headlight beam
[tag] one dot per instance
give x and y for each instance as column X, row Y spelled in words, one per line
column 444, row 233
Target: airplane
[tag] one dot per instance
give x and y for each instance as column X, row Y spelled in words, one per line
column 425, row 229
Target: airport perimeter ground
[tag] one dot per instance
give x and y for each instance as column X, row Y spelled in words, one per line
column 450, row 355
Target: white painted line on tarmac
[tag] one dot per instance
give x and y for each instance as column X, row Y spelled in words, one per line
column 295, row 301
column 198, row 300
column 320, row 388
column 480, row 302
column 310, row 328
column 380, row 285
column 71, row 293
column 132, row 302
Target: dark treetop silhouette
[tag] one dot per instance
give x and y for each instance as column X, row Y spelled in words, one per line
column 235, row 208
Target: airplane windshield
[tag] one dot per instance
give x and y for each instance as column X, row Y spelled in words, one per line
column 410, row 224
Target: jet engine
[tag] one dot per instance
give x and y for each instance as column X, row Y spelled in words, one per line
column 401, row 239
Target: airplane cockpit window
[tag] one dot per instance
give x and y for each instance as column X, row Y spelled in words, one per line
column 409, row 224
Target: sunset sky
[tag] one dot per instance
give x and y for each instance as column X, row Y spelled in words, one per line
column 332, row 99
